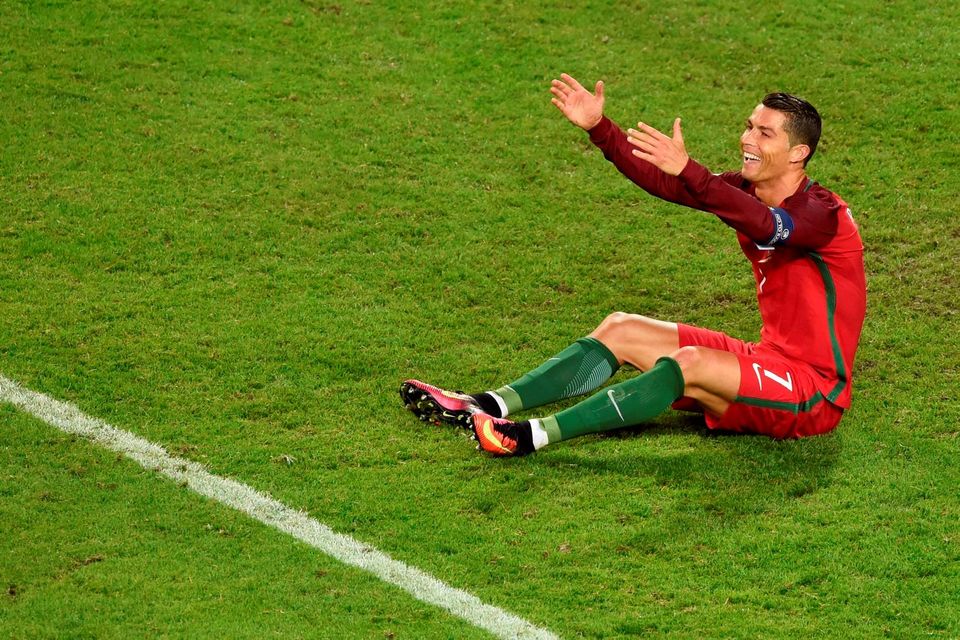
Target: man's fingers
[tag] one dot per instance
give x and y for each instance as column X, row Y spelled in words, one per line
column 633, row 134
column 558, row 93
column 677, row 133
column 645, row 128
column 570, row 80
column 645, row 145
column 598, row 90
column 644, row 156
column 556, row 85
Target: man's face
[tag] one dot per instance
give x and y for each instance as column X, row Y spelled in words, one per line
column 766, row 146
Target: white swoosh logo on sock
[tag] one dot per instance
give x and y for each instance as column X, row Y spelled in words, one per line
column 615, row 405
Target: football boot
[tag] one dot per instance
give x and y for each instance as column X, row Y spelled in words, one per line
column 502, row 437
column 433, row 404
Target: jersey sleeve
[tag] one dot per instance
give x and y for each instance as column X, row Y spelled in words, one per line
column 815, row 218
column 805, row 220
column 612, row 141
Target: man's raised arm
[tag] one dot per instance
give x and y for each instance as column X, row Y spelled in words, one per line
column 807, row 221
column 585, row 110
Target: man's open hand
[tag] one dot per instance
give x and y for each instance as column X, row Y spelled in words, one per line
column 667, row 154
column 581, row 107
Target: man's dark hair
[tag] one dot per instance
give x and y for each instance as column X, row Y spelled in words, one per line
column 803, row 122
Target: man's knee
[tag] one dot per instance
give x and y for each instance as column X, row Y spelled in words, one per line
column 704, row 367
column 635, row 339
column 616, row 324
column 710, row 376
column 690, row 360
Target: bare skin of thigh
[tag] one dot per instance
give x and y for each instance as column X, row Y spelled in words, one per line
column 711, row 377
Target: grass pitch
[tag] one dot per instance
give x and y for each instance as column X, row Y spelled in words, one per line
column 234, row 228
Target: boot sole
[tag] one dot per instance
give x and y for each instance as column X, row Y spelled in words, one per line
column 422, row 405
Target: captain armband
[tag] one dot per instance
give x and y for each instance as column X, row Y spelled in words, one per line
column 782, row 226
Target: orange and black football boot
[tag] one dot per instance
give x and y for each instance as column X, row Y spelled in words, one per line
column 502, row 437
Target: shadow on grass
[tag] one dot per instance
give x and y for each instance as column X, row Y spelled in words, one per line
column 736, row 471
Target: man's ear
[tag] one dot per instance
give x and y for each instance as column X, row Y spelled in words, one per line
column 799, row 153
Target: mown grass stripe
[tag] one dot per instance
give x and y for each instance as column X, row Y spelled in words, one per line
column 419, row 584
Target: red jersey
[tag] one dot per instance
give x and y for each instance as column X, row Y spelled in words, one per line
column 806, row 253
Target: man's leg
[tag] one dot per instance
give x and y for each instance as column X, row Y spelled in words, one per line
column 580, row 368
column 708, row 376
column 586, row 364
column 637, row 340
column 750, row 391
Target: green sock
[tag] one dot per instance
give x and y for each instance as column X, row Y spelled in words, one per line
column 621, row 405
column 578, row 369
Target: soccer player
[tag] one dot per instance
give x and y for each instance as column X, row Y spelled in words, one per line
column 807, row 259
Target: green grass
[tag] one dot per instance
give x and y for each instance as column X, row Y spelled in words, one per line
column 234, row 228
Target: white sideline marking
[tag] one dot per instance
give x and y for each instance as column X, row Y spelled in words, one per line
column 259, row 506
